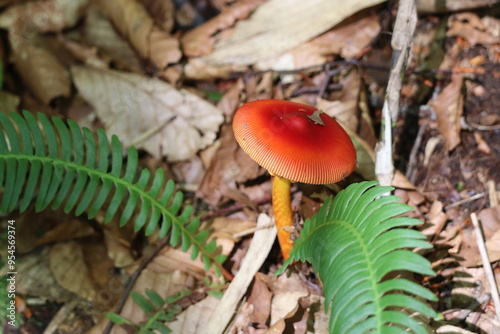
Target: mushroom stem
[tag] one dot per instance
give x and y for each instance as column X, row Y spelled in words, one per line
column 283, row 215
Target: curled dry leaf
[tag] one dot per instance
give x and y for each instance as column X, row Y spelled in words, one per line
column 197, row 69
column 149, row 113
column 162, row 12
column 134, row 23
column 472, row 28
column 9, row 102
column 449, row 107
column 40, row 70
column 99, row 31
column 44, row 16
column 35, row 277
column 67, row 264
column 433, row 6
column 347, row 39
column 195, row 318
column 200, row 40
column 230, row 164
column 278, row 26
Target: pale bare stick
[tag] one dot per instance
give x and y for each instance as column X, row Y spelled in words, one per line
column 486, row 264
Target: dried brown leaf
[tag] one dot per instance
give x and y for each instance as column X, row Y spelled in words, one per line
column 44, row 16
column 195, row 318
column 260, row 298
column 347, row 39
column 68, row 229
column 99, row 31
column 40, row 70
column 470, row 27
column 433, row 6
column 149, row 113
column 162, row 12
column 278, row 26
column 468, row 252
column 448, row 106
column 197, row 69
column 230, row 165
column 200, row 40
column 345, row 108
column 9, row 102
column 35, row 278
column 135, row 24
column 67, row 264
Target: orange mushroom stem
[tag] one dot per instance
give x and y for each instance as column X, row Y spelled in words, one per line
column 294, row 142
column 283, row 215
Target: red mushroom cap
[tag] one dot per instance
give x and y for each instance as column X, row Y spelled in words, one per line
column 294, row 141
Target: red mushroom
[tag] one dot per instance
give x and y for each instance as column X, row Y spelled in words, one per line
column 295, row 143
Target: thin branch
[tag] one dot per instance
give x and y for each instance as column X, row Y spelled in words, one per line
column 401, row 41
column 486, row 264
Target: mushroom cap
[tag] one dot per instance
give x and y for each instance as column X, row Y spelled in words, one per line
column 294, row 141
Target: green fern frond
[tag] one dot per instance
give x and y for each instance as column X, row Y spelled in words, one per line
column 353, row 243
column 58, row 164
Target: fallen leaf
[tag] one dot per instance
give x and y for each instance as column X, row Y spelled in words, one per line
column 149, row 113
column 432, row 6
column 230, row 164
column 136, row 25
column 67, row 264
column 68, row 229
column 471, row 27
column 468, row 254
column 482, row 145
column 259, row 249
column 347, row 39
column 34, row 277
column 162, row 12
column 345, row 108
column 99, row 31
column 40, row 70
column 200, row 40
column 43, row 16
column 448, row 106
column 195, row 318
column 9, row 102
column 165, row 284
column 197, row 69
column 278, row 26
column 260, row 297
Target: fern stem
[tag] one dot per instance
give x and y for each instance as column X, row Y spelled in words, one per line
column 283, row 214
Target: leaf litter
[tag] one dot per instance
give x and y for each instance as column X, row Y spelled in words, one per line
column 168, row 78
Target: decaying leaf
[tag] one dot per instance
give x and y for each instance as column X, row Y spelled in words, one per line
column 35, row 278
column 200, row 40
column 9, row 102
column 468, row 254
column 67, row 264
column 135, row 24
column 43, row 16
column 149, row 113
column 278, row 26
column 40, row 70
column 449, row 107
column 472, row 28
column 99, row 31
column 195, row 318
column 347, row 39
column 230, row 164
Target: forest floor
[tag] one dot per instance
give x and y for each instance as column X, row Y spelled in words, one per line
column 167, row 78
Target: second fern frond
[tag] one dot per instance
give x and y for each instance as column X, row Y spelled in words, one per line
column 352, row 243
